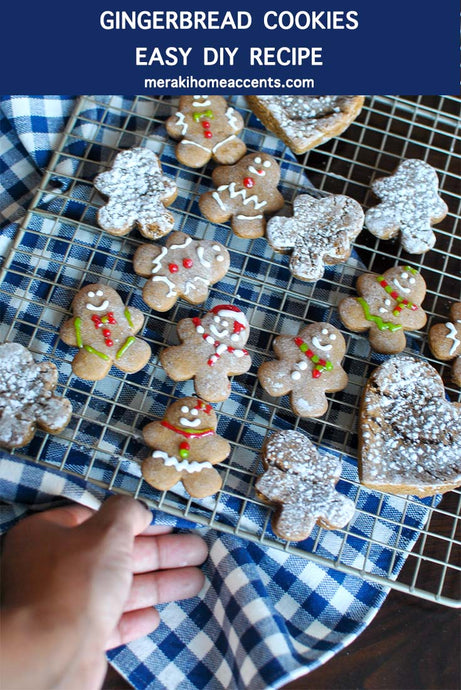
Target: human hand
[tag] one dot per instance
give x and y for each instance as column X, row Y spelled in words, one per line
column 76, row 583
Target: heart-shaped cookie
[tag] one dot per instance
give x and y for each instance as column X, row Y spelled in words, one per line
column 409, row 433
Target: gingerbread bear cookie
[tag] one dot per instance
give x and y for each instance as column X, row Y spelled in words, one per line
column 320, row 233
column 307, row 366
column 138, row 192
column 186, row 446
column 104, row 330
column 387, row 306
column 207, row 128
column 27, row 397
column 410, row 204
column 301, row 482
column 211, row 351
column 182, row 268
column 245, row 193
column 445, row 341
column 409, row 433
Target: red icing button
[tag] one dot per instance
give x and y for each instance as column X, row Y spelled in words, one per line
column 316, row 374
column 248, row 182
column 207, row 134
column 173, row 268
column 205, row 124
column 187, row 263
column 109, row 342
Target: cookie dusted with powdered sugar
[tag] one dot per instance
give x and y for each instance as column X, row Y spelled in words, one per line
column 409, row 433
column 27, row 397
column 410, row 205
column 445, row 341
column 138, row 192
column 303, row 122
column 320, row 233
column 301, row 482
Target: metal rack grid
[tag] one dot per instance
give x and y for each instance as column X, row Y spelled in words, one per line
column 59, row 248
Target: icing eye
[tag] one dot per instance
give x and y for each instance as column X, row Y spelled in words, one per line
column 99, row 293
column 266, row 164
column 216, row 247
column 217, row 319
column 404, row 275
column 184, row 409
column 387, row 302
column 412, row 281
column 194, row 412
column 332, row 336
column 324, row 331
column 91, row 294
column 225, row 323
column 257, row 160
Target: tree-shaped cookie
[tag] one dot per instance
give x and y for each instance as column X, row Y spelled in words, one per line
column 104, row 330
column 445, row 341
column 245, row 193
column 301, row 482
column 319, row 233
column 207, row 128
column 211, row 351
column 307, row 366
column 410, row 205
column 27, row 397
column 138, row 192
column 387, row 306
column 182, row 268
column 185, row 448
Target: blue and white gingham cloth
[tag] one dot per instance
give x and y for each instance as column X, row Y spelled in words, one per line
column 265, row 617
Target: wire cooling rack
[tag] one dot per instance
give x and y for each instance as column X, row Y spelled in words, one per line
column 401, row 542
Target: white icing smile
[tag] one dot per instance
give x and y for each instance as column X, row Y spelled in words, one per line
column 401, row 287
column 102, row 307
column 218, row 333
column 253, row 170
column 190, row 422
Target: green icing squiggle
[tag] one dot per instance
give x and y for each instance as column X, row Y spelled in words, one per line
column 382, row 325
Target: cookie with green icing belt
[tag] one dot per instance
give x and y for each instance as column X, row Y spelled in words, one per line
column 212, row 350
column 182, row 268
column 207, row 128
column 307, row 367
column 104, row 330
column 388, row 305
column 445, row 341
column 185, row 448
column 245, row 193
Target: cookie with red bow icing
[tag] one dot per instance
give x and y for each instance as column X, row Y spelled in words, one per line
column 245, row 193
column 185, row 448
column 212, row 350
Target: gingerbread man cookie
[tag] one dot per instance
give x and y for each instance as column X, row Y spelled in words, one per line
column 211, row 351
column 183, row 268
column 410, row 204
column 207, row 128
column 186, row 446
column 138, row 192
column 104, row 330
column 320, row 233
column 307, row 366
column 301, row 482
column 445, row 341
column 388, row 305
column 27, row 397
column 245, row 193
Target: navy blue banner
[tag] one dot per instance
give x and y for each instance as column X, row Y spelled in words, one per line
column 341, row 47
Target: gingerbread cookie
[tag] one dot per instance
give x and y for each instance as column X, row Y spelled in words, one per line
column 27, row 397
column 301, row 482
column 410, row 205
column 138, row 192
column 245, row 193
column 303, row 122
column 445, row 341
column 186, row 446
column 207, row 129
column 104, row 330
column 183, row 268
column 211, row 351
column 307, row 366
column 388, row 305
column 320, row 233
column 409, row 433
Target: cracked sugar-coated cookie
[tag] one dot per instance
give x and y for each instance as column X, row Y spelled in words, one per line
column 388, row 305
column 409, row 433
column 303, row 122
column 138, row 193
column 207, row 128
column 185, row 448
column 445, row 341
column 184, row 267
column 27, row 397
column 104, row 329
column 320, row 233
column 301, row 482
column 410, row 205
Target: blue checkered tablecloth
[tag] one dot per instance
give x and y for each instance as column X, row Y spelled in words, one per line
column 265, row 617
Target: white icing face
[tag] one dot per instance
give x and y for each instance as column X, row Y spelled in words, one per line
column 323, row 341
column 261, row 165
column 187, row 421
column 220, row 327
column 200, row 101
column 91, row 306
column 387, row 305
column 405, row 282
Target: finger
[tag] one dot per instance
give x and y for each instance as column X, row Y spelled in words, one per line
column 133, row 625
column 70, row 515
column 168, row 551
column 122, row 515
column 150, row 589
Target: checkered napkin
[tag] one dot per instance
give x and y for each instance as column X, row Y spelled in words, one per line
column 265, row 617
